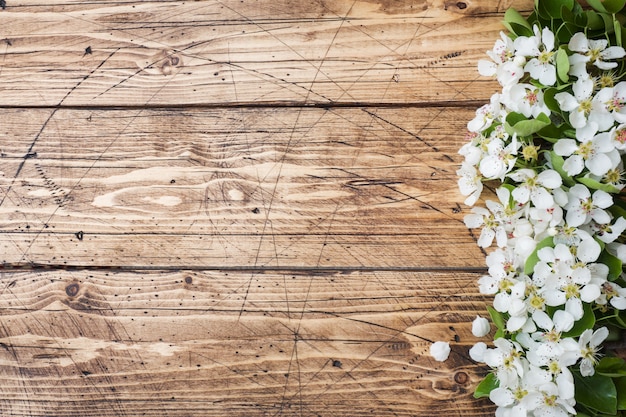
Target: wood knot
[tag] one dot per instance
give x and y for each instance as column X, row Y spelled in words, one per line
column 461, row 5
column 461, row 378
column 169, row 63
column 188, row 280
column 72, row 289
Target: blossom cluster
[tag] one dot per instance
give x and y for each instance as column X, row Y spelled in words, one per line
column 552, row 139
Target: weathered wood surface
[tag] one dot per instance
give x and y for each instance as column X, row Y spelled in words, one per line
column 189, row 343
column 359, row 187
column 244, row 208
column 173, row 52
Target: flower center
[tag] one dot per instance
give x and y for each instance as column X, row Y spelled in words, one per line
column 586, row 205
column 615, row 105
column 531, row 97
column 554, row 367
column 545, row 57
column 537, row 302
column 607, row 79
column 620, row 136
column 549, row 400
column 585, row 150
column 585, row 107
column 520, row 393
column 572, row 291
column 594, row 54
column 613, row 176
column 530, row 152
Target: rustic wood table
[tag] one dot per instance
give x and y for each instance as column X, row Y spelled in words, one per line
column 238, row 207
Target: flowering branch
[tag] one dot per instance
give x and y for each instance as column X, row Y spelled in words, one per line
column 554, row 141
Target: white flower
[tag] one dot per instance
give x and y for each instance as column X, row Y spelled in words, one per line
column 486, row 115
column 541, row 48
column 594, row 51
column 593, row 154
column 470, row 183
column 500, row 158
column 440, row 351
column 534, row 186
column 506, row 361
column 527, row 100
column 608, row 233
column 612, row 100
column 491, row 227
column 507, row 67
column 583, row 116
column 614, row 294
column 480, row 327
column 549, row 402
column 589, row 342
column 583, row 207
column 618, row 135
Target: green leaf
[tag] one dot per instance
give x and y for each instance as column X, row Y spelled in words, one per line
column 613, row 6
column 488, row 384
column 516, row 23
column 614, row 264
column 597, row 392
column 557, row 165
column 617, row 26
column 611, row 367
column 620, row 384
column 597, row 185
column 497, row 318
column 532, row 260
column 597, row 5
column 562, row 65
column 593, row 20
column 518, row 123
column 552, row 9
column 587, row 321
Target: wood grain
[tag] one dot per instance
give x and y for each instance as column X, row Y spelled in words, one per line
column 170, row 52
column 215, row 343
column 238, row 208
column 241, row 187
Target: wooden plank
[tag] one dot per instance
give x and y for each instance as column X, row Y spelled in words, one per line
column 210, row 343
column 241, row 187
column 109, row 53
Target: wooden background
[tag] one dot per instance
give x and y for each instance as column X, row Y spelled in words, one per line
column 238, row 207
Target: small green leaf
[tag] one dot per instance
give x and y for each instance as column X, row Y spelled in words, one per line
column 597, row 185
column 532, row 260
column 557, row 164
column 617, row 26
column 596, row 392
column 516, row 23
column 562, row 65
column 593, row 20
column 587, row 321
column 614, row 264
column 548, row 98
column 488, row 384
column 518, row 123
column 497, row 318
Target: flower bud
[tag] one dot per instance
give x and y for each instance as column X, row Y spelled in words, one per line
column 440, row 351
column 480, row 327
